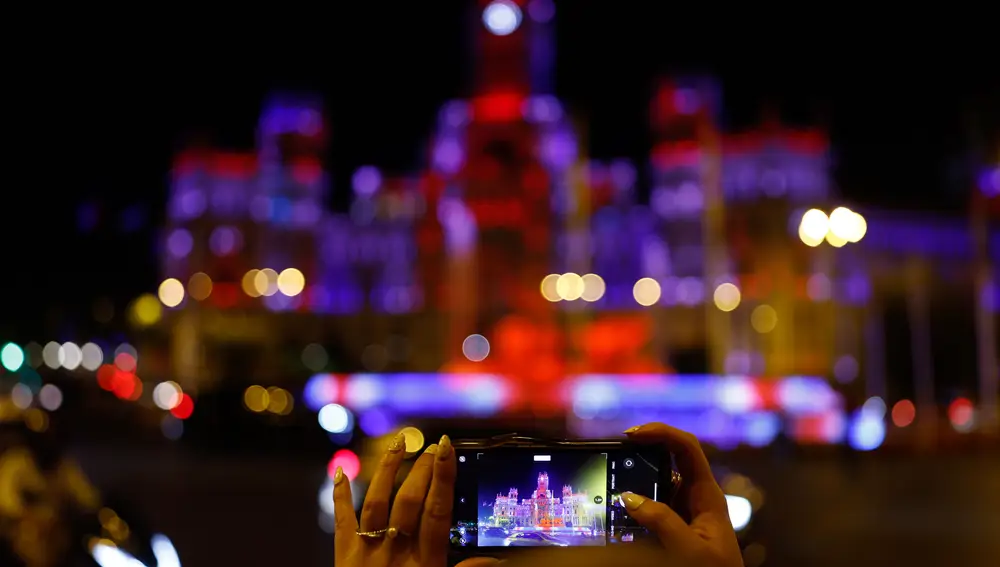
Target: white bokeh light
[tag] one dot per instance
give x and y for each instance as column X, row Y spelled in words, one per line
column 502, row 17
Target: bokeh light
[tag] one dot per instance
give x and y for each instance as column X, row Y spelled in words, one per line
column 335, row 418
column 813, row 227
column 291, row 282
column 249, row 283
column 171, row 292
column 50, row 397
column 903, row 413
column 646, row 292
column 265, row 282
column 727, row 297
column 476, row 348
column 12, row 357
column 569, row 287
column 593, row 287
column 502, row 17
column 764, row 319
column 167, row 395
column 414, row 439
column 348, row 461
column 549, row 288
column 256, row 398
column 200, row 286
column 146, row 310
column 184, row 408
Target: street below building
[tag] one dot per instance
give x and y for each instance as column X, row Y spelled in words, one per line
column 872, row 510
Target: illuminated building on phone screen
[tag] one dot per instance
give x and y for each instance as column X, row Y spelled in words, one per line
column 545, row 510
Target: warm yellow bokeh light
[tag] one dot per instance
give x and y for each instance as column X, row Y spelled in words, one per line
column 646, row 292
column 814, row 226
column 727, row 297
column 291, row 282
column 764, row 319
column 200, row 286
column 847, row 225
column 593, row 287
column 171, row 292
column 414, row 439
column 256, row 398
column 249, row 283
column 835, row 240
column 266, row 282
column 279, row 401
column 569, row 286
column 808, row 239
column 146, row 310
column 548, row 287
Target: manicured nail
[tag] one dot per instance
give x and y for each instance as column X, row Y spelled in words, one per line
column 632, row 430
column 338, row 476
column 444, row 448
column 632, row 500
column 397, row 443
column 431, row 449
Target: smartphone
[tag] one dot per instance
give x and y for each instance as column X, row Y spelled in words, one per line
column 516, row 492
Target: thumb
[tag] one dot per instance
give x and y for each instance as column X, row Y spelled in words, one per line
column 479, row 562
column 657, row 517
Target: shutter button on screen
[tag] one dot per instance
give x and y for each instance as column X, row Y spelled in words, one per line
column 629, row 463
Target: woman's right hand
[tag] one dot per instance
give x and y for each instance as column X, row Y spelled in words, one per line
column 708, row 540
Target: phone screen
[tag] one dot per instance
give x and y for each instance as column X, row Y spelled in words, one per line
column 521, row 497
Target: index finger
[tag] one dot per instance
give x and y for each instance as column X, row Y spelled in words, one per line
column 696, row 473
column 435, row 525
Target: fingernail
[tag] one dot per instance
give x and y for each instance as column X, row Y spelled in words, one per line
column 632, row 500
column 444, row 448
column 338, row 476
column 397, row 443
column 632, row 430
column 431, row 449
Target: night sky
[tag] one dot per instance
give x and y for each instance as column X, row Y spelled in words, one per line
column 103, row 100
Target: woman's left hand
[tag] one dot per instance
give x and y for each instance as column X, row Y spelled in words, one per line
column 414, row 531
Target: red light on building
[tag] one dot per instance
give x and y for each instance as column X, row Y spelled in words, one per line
column 498, row 107
column 225, row 295
column 231, row 164
column 306, row 170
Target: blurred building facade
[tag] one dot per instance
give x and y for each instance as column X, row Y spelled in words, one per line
column 512, row 237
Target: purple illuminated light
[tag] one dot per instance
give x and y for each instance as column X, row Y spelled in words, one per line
column 989, row 182
column 449, row 156
column 227, row 199
column 542, row 108
column 686, row 101
column 280, row 119
column 454, row 114
column 366, row 181
column 191, row 204
column 180, row 243
column 559, row 149
column 622, row 175
column 225, row 240
column 542, row 11
column 305, row 213
column 459, row 224
column 260, row 208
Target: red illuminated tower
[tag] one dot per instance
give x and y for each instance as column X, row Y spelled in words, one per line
column 497, row 159
column 542, row 491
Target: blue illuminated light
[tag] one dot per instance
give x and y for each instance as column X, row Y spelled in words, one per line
column 866, row 432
